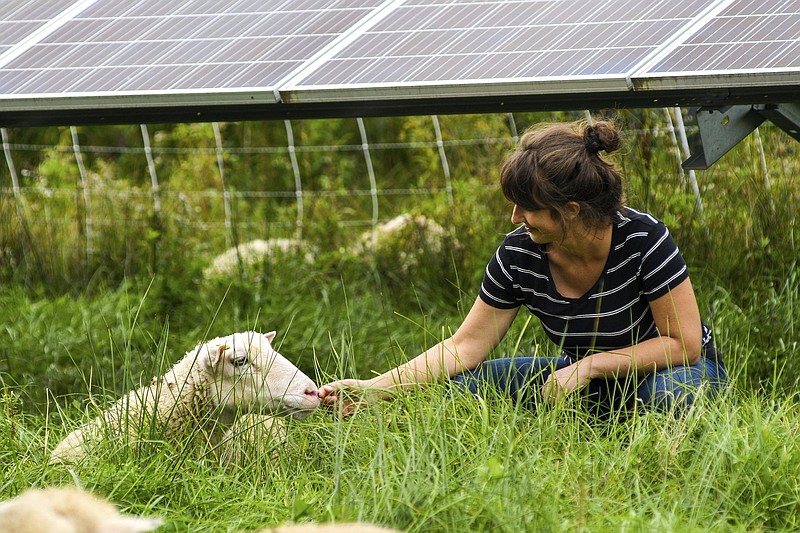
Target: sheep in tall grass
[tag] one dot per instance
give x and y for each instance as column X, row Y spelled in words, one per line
column 67, row 510
column 406, row 245
column 205, row 392
column 416, row 230
column 249, row 254
column 351, row 527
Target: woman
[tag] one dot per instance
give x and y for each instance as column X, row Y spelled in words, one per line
column 607, row 282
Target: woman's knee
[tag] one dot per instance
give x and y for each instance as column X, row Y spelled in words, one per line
column 677, row 387
column 513, row 377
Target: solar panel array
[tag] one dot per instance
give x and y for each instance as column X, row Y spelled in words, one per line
column 97, row 55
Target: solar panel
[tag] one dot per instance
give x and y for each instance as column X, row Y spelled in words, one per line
column 73, row 61
column 745, row 43
column 432, row 47
column 22, row 18
column 122, row 47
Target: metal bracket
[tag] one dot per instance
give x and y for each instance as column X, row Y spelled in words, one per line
column 785, row 116
column 723, row 128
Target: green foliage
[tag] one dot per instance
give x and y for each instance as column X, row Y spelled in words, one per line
column 438, row 460
column 748, row 223
column 433, row 460
column 85, row 265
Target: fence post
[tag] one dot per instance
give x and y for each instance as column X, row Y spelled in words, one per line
column 762, row 156
column 373, row 187
column 27, row 242
column 443, row 156
column 298, row 184
column 226, row 198
column 13, row 170
column 157, row 220
column 512, row 124
column 76, row 148
column 675, row 145
column 148, row 152
column 692, row 176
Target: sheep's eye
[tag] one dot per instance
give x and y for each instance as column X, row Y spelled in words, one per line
column 240, row 361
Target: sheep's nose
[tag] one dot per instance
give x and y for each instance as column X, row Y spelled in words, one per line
column 312, row 396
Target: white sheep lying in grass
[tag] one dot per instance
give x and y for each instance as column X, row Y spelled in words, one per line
column 406, row 226
column 354, row 527
column 67, row 510
column 249, row 254
column 405, row 243
column 205, row 392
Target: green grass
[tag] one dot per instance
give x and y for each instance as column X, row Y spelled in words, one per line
column 75, row 334
column 437, row 460
column 429, row 460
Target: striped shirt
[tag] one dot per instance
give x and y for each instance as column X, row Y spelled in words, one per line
column 643, row 264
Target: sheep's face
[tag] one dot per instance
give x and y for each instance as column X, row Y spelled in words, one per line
column 250, row 376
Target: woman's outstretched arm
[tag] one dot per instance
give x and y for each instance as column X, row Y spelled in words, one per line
column 482, row 330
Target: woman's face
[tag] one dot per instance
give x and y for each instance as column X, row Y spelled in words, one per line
column 539, row 223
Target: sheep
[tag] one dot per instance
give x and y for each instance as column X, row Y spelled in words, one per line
column 354, row 527
column 67, row 510
column 251, row 253
column 205, row 392
column 419, row 228
column 405, row 244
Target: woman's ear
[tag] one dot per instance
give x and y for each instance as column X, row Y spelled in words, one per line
column 571, row 210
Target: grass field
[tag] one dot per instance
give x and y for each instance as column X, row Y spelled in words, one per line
column 429, row 460
column 434, row 459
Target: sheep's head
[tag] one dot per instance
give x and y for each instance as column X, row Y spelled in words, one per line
column 250, row 376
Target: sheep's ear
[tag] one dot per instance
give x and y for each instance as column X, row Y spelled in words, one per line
column 128, row 524
column 270, row 336
column 217, row 355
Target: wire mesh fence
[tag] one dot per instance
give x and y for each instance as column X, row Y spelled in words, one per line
column 88, row 194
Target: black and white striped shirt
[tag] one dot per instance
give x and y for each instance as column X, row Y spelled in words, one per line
column 644, row 263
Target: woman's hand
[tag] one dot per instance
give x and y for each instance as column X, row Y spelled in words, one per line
column 346, row 395
column 565, row 381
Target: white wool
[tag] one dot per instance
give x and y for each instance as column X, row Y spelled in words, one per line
column 430, row 232
column 396, row 223
column 405, row 242
column 354, row 527
column 206, row 391
column 67, row 510
column 401, row 222
column 254, row 252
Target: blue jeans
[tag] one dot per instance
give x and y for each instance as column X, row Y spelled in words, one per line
column 522, row 379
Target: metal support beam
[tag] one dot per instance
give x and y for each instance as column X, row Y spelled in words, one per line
column 785, row 116
column 720, row 129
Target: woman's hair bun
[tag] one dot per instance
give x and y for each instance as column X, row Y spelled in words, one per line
column 602, row 135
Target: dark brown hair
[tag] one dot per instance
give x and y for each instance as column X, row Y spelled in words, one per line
column 558, row 163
